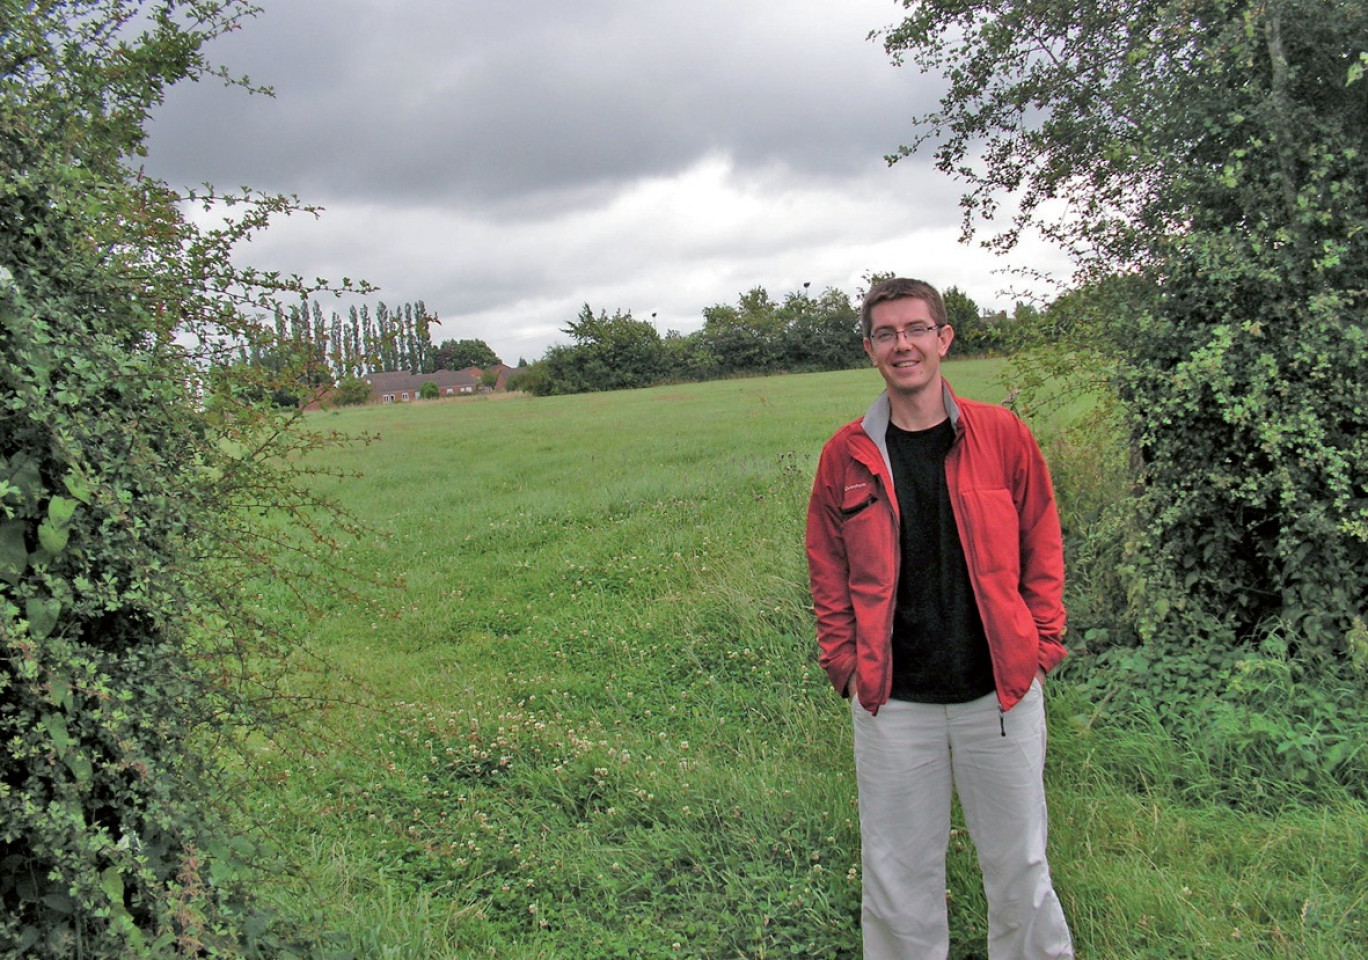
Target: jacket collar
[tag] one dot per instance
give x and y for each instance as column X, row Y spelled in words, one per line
column 880, row 412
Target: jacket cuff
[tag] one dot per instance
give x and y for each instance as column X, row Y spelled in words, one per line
column 839, row 675
column 1051, row 654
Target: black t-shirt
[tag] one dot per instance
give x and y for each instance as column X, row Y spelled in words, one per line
column 940, row 653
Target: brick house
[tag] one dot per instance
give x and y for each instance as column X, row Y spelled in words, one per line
column 400, row 386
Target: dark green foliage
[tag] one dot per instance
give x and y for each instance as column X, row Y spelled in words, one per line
column 981, row 333
column 124, row 531
column 972, row 336
column 821, row 333
column 748, row 338
column 459, row 354
column 1249, row 366
column 95, row 838
column 754, row 338
column 352, row 391
column 609, row 353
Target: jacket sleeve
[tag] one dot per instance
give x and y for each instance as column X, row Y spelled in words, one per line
column 828, row 571
column 1042, row 550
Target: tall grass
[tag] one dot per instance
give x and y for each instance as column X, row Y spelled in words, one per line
column 586, row 720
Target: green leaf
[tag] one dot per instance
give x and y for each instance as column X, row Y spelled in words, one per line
column 78, row 486
column 1356, row 70
column 42, row 616
column 61, row 510
column 28, row 936
column 80, row 767
column 23, row 473
column 53, row 538
column 112, row 884
column 53, row 532
column 58, row 902
column 1337, row 753
column 57, row 729
column 61, row 693
column 13, row 553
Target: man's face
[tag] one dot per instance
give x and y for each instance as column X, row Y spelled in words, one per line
column 905, row 345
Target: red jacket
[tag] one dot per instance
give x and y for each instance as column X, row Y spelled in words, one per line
column 1004, row 506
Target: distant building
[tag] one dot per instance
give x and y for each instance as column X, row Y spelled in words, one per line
column 400, row 386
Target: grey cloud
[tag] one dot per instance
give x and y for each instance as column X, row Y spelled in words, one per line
column 476, row 103
column 507, row 162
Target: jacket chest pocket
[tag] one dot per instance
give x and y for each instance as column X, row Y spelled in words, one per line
column 860, row 493
column 865, row 517
column 860, row 505
column 870, row 535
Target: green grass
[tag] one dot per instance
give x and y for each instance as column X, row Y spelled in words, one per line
column 588, row 722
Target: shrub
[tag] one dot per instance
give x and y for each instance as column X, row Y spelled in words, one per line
column 123, row 528
column 353, row 391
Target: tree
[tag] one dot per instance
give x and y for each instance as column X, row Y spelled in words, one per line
column 429, row 391
column 822, row 333
column 355, row 354
column 972, row 335
column 352, row 391
column 535, row 379
column 422, row 332
column 687, row 357
column 1215, row 153
column 755, row 337
column 961, row 311
column 746, row 338
column 370, row 343
column 609, row 353
column 459, row 354
column 131, row 449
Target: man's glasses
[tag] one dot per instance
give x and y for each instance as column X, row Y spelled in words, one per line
column 886, row 337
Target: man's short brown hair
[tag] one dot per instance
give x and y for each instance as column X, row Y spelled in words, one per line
column 901, row 288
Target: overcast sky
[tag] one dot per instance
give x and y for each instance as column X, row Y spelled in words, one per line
column 507, row 162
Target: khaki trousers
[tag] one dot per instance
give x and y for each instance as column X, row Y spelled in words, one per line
column 908, row 759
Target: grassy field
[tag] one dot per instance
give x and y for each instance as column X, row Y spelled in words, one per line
column 588, row 722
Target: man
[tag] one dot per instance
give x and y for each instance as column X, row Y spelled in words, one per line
column 937, row 577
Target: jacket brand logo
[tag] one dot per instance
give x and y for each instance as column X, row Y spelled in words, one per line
column 855, row 486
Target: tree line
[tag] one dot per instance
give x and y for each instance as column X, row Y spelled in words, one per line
column 756, row 336
column 301, row 351
column 332, row 348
